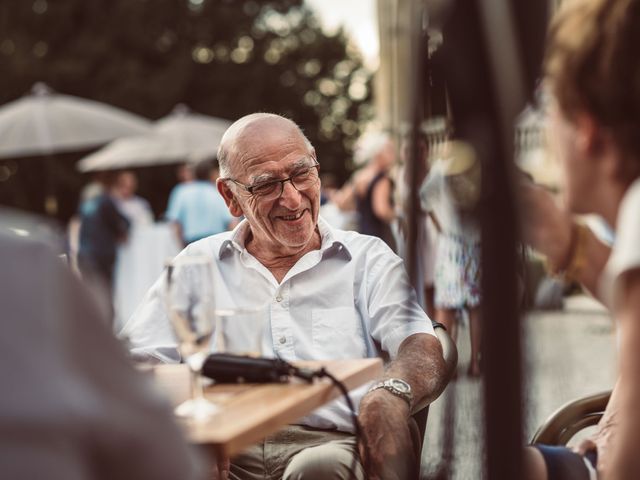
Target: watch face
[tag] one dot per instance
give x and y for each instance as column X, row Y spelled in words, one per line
column 400, row 385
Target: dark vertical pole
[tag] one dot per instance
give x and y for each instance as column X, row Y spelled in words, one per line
column 414, row 168
column 501, row 339
column 482, row 65
column 502, row 336
column 514, row 33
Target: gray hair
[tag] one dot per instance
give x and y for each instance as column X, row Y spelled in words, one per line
column 369, row 145
column 227, row 144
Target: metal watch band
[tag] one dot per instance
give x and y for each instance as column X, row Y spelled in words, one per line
column 394, row 385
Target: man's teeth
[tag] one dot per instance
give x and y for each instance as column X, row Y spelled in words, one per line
column 292, row 217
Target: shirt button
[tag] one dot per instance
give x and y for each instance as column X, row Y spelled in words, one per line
column 278, row 299
column 283, row 339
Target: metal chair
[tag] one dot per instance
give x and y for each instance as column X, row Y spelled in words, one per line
column 572, row 417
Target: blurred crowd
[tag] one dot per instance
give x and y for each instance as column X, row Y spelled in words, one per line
column 117, row 246
column 373, row 202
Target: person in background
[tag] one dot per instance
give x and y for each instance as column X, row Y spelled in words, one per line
column 427, row 235
column 333, row 207
column 449, row 194
column 90, row 190
column 102, row 228
column 135, row 208
column 196, row 209
column 373, row 187
column 592, row 70
column 185, row 173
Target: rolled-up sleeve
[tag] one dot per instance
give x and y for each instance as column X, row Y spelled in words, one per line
column 392, row 306
column 149, row 331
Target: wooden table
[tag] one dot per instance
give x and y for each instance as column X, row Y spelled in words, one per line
column 250, row 412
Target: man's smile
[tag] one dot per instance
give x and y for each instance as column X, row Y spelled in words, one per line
column 292, row 217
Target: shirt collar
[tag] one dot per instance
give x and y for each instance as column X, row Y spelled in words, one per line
column 236, row 241
column 330, row 240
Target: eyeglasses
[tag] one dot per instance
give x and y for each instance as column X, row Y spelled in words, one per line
column 302, row 179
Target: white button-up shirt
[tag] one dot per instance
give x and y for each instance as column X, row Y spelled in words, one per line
column 349, row 299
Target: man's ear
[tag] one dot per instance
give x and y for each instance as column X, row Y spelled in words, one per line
column 229, row 198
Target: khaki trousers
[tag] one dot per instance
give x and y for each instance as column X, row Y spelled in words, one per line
column 297, row 453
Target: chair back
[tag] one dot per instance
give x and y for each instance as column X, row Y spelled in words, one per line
column 572, row 417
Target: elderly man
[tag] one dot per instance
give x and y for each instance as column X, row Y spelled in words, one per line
column 331, row 294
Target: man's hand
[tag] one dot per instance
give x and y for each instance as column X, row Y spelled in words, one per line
column 386, row 448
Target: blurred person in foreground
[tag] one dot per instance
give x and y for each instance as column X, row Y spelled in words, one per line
column 593, row 71
column 196, row 208
column 332, row 294
column 72, row 407
column 102, row 228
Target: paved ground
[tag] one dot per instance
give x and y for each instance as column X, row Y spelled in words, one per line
column 569, row 353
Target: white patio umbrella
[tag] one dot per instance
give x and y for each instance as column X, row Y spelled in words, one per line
column 180, row 136
column 43, row 123
column 46, row 123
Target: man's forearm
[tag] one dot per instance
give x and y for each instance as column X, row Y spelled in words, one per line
column 387, row 445
column 421, row 364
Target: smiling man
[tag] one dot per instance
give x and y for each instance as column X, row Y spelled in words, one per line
column 331, row 294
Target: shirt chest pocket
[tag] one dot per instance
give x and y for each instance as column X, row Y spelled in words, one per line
column 337, row 333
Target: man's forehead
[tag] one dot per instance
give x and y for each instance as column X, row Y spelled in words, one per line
column 268, row 130
column 270, row 138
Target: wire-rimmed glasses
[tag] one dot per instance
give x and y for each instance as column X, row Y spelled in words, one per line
column 301, row 179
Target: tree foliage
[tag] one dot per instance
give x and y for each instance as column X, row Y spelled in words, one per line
column 224, row 58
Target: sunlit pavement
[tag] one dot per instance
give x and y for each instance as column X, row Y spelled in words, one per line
column 569, row 354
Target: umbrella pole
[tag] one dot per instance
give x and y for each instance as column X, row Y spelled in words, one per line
column 50, row 197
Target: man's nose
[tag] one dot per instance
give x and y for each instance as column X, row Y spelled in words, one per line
column 290, row 197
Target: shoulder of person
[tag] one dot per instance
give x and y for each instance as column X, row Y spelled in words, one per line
column 360, row 244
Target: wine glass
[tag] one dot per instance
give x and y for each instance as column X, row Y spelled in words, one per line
column 190, row 304
column 242, row 330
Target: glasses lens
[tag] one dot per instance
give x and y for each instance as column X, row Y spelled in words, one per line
column 267, row 189
column 300, row 180
column 305, row 178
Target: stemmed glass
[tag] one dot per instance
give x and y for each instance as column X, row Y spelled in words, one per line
column 191, row 308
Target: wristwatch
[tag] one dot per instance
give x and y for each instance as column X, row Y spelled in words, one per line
column 398, row 387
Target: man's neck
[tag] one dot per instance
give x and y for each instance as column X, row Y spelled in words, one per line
column 280, row 262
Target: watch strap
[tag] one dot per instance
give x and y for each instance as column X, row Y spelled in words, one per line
column 388, row 386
